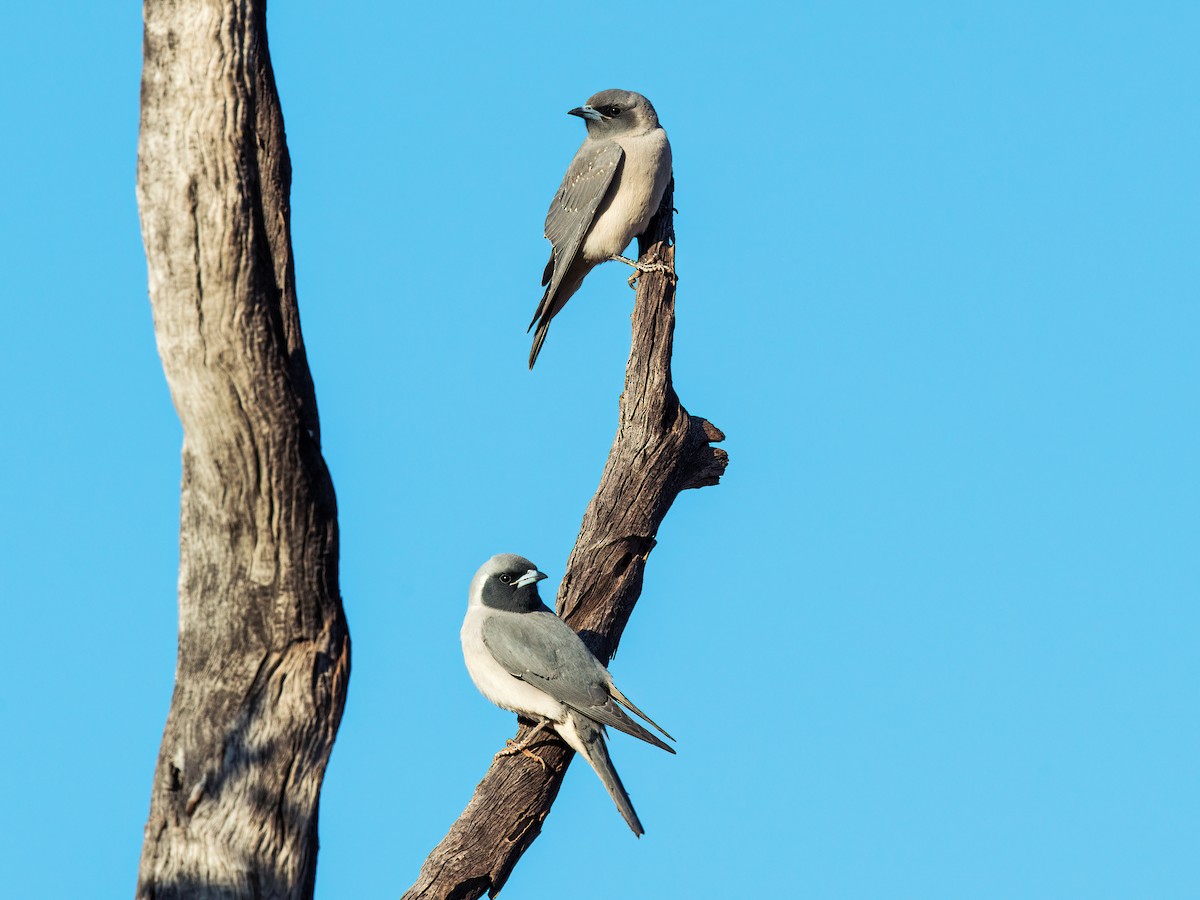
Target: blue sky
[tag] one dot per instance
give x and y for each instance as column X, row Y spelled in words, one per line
column 935, row 636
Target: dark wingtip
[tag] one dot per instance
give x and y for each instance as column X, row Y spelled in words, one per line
column 653, row 739
column 628, row 704
column 631, row 727
column 542, row 305
column 538, row 340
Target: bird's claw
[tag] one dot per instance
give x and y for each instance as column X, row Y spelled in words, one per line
column 512, row 749
column 640, row 268
column 541, row 762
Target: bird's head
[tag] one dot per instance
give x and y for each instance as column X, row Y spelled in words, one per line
column 508, row 582
column 613, row 112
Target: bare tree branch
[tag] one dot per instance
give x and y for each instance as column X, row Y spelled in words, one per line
column 659, row 451
column 264, row 651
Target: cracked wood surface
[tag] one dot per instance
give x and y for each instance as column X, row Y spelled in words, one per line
column 264, row 652
column 659, row 451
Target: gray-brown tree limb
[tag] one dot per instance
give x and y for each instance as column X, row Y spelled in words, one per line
column 659, row 451
column 264, row 651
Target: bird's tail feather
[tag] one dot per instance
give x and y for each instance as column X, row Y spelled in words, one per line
column 538, row 339
column 542, row 320
column 588, row 740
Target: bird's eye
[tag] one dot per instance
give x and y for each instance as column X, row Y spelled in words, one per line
column 506, row 578
column 614, row 110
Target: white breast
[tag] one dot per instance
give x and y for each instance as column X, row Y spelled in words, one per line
column 634, row 199
column 497, row 684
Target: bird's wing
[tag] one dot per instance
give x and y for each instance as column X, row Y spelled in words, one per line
column 543, row 651
column 574, row 207
column 628, row 704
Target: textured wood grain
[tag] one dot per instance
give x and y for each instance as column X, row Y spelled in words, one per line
column 264, row 652
column 659, row 451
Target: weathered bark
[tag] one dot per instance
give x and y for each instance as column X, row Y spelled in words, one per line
column 659, row 451
column 264, row 652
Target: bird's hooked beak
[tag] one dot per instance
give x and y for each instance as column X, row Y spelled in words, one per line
column 586, row 112
column 533, row 576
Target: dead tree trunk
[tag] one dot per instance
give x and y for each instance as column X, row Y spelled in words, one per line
column 264, row 652
column 659, row 451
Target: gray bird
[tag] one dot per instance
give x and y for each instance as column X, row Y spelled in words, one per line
column 526, row 659
column 612, row 188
